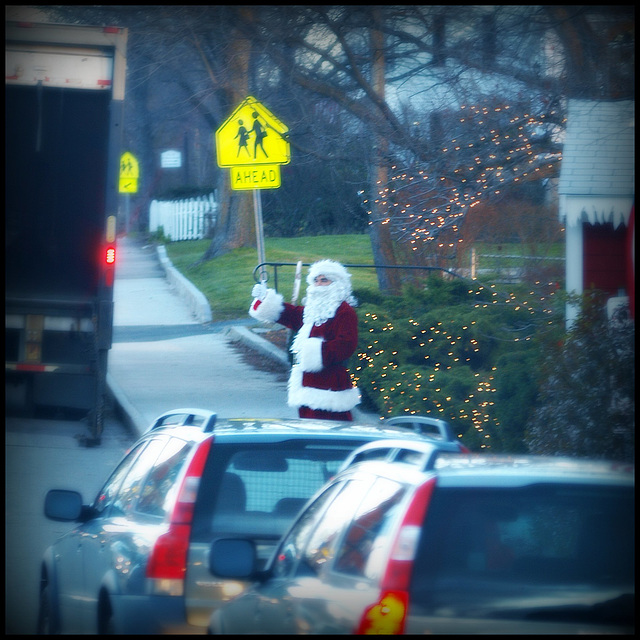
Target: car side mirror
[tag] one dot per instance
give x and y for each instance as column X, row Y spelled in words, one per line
column 232, row 558
column 63, row 506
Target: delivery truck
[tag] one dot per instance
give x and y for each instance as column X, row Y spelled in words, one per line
column 64, row 95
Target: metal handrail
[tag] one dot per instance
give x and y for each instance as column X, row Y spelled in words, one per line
column 259, row 269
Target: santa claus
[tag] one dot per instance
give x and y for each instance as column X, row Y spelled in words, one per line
column 327, row 335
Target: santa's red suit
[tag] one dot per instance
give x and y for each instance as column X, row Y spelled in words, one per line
column 327, row 335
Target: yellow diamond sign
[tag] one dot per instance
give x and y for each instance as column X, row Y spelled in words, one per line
column 129, row 173
column 252, row 135
column 129, row 167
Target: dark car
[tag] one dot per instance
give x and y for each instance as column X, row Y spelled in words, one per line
column 136, row 560
column 406, row 539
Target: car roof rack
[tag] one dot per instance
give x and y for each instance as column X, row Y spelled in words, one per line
column 421, row 455
column 186, row 417
column 425, row 426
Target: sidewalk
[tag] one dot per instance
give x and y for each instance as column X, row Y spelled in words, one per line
column 163, row 357
column 169, row 352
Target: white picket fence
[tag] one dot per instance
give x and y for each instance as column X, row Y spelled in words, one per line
column 188, row 219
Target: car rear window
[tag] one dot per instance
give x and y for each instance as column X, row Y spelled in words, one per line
column 145, row 481
column 158, row 492
column 131, row 487
column 511, row 549
column 258, row 489
column 365, row 544
column 109, row 491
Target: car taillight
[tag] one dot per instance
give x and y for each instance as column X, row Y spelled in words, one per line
column 385, row 617
column 167, row 564
column 168, row 560
column 110, row 266
column 388, row 615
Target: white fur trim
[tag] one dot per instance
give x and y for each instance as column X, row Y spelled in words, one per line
column 323, row 399
column 270, row 309
column 330, row 268
column 301, row 336
column 310, row 354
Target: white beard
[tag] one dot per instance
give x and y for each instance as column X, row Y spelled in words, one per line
column 322, row 302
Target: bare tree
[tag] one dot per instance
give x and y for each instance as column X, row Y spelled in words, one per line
column 452, row 78
column 495, row 80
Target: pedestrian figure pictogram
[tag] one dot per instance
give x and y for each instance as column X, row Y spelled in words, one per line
column 243, row 136
column 252, row 135
column 260, row 134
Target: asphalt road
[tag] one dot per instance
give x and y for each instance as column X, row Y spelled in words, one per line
column 41, row 454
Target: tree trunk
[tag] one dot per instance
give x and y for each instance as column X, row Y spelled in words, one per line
column 235, row 226
column 379, row 231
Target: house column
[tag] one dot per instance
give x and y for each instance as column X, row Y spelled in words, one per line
column 574, row 268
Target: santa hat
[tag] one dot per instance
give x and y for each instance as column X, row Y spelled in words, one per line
column 332, row 269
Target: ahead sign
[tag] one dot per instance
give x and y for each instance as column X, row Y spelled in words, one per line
column 252, row 135
column 260, row 177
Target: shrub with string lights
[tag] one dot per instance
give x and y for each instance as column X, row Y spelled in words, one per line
column 436, row 350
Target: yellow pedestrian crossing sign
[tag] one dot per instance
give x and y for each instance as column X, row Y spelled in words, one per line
column 129, row 167
column 129, row 173
column 252, row 135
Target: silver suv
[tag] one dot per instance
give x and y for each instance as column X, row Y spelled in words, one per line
column 136, row 559
column 406, row 539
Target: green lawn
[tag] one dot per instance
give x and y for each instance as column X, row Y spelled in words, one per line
column 227, row 281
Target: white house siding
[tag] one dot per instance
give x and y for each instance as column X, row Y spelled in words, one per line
column 597, row 177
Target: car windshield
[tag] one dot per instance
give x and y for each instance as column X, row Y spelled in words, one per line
column 527, row 552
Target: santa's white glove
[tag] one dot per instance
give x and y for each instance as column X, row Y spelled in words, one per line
column 259, row 291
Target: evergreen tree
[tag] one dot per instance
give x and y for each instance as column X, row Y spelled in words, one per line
column 586, row 406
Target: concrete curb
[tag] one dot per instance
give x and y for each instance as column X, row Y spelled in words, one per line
column 195, row 299
column 248, row 337
column 125, row 410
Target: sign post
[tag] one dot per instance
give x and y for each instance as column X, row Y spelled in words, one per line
column 253, row 143
column 257, row 209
